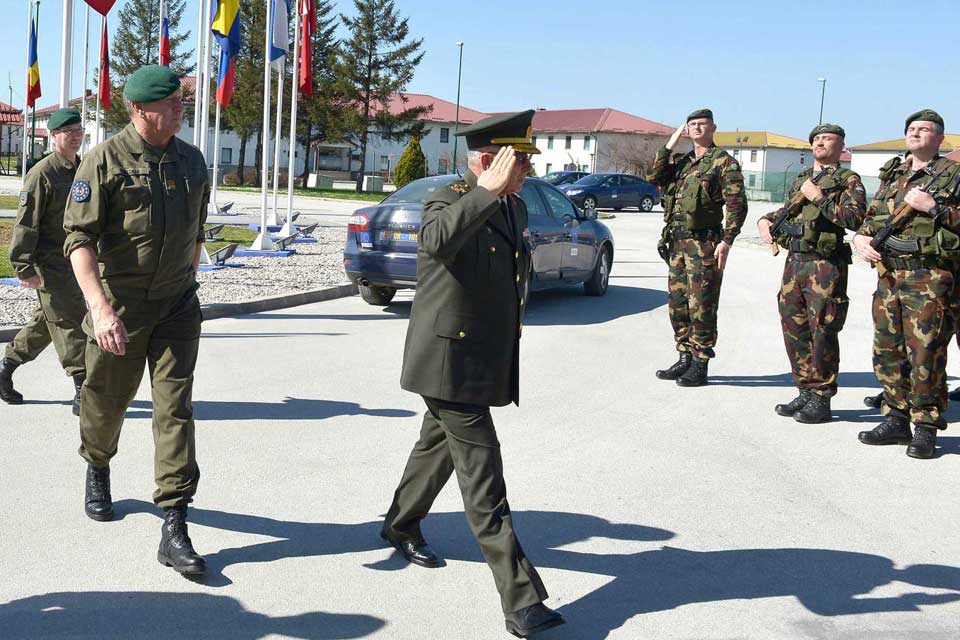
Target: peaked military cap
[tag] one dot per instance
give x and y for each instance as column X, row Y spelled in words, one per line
column 700, row 113
column 826, row 128
column 63, row 118
column 512, row 129
column 150, row 83
column 924, row 114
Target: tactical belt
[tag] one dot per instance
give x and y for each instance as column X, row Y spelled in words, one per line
column 911, row 263
column 680, row 233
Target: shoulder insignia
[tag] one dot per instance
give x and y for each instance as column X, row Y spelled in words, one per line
column 80, row 191
column 24, row 197
column 460, row 187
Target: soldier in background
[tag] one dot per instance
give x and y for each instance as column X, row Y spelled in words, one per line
column 36, row 252
column 695, row 190
column 813, row 294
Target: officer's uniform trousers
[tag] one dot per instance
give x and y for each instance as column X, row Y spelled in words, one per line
column 57, row 319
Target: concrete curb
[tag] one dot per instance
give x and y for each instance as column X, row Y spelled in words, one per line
column 227, row 309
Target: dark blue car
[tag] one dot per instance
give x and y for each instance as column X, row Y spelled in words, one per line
column 613, row 191
column 569, row 245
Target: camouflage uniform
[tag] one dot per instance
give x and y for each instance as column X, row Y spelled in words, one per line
column 813, row 293
column 913, row 319
column 695, row 191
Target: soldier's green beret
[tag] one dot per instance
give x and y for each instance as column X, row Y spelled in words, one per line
column 924, row 114
column 700, row 113
column 514, row 129
column 826, row 128
column 63, row 118
column 150, row 83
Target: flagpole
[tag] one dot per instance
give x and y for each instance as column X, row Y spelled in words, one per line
column 66, row 53
column 196, row 92
column 86, row 68
column 263, row 241
column 276, row 141
column 160, row 34
column 288, row 228
column 216, row 158
column 205, row 116
column 103, row 24
column 26, row 97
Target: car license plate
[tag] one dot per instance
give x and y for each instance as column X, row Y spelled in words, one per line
column 398, row 236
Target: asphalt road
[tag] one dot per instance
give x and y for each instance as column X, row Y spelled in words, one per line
column 652, row 511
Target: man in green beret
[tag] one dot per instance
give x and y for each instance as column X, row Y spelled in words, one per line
column 462, row 355
column 36, row 253
column 821, row 204
column 695, row 241
column 917, row 209
column 135, row 229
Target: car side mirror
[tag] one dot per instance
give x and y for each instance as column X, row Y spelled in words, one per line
column 590, row 214
column 570, row 220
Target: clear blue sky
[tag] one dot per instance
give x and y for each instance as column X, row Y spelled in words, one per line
column 754, row 63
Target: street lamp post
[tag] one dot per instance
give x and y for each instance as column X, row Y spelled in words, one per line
column 823, row 88
column 456, row 126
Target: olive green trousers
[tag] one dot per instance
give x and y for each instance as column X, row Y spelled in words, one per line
column 56, row 319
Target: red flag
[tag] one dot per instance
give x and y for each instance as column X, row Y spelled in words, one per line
column 103, row 84
column 164, row 35
column 308, row 17
column 101, row 6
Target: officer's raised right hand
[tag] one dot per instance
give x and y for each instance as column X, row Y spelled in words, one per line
column 109, row 330
column 672, row 142
column 498, row 176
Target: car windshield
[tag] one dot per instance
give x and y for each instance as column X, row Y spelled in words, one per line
column 555, row 178
column 419, row 190
column 593, row 178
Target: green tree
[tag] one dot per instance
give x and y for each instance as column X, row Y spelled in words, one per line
column 373, row 68
column 412, row 164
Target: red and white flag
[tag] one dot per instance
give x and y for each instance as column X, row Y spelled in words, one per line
column 308, row 26
column 103, row 83
column 164, row 35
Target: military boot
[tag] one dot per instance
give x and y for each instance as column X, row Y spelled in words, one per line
column 696, row 375
column 893, row 430
column 96, row 500
column 7, row 393
column 77, row 385
column 794, row 405
column 678, row 368
column 176, row 550
column 816, row 411
column 924, row 443
column 874, row 402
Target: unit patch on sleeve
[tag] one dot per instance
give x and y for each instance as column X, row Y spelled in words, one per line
column 80, row 191
column 24, row 197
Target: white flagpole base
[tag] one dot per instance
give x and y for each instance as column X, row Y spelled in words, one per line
column 264, row 242
column 288, row 228
column 204, row 256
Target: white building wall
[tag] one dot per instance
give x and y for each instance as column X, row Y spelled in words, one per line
column 868, row 163
column 554, row 159
column 383, row 154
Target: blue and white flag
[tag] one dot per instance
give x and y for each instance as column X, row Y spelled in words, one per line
column 279, row 29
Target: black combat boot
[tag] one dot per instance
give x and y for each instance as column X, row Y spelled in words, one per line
column 874, row 402
column 696, row 375
column 678, row 368
column 924, row 442
column 794, row 405
column 7, row 393
column 893, row 430
column 96, row 499
column 816, row 411
column 77, row 385
column 954, row 395
column 176, row 550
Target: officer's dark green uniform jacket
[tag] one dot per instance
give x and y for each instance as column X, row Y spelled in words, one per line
column 463, row 340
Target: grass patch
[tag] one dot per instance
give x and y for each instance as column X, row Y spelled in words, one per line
column 6, row 232
column 336, row 194
column 9, row 202
column 232, row 233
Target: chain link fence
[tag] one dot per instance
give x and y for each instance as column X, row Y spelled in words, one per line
column 772, row 186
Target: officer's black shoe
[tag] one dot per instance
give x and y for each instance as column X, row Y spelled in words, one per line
column 531, row 620
column 418, row 554
column 7, row 393
column 96, row 500
column 77, row 385
column 176, row 550
column 893, row 430
column 874, row 402
column 954, row 395
column 678, row 368
column 923, row 444
column 816, row 411
column 696, row 375
column 794, row 405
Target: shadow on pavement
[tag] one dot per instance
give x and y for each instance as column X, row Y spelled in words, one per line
column 288, row 409
column 141, row 614
column 569, row 305
column 826, row 582
column 291, row 334
column 864, row 379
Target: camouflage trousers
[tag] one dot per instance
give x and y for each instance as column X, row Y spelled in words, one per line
column 693, row 286
column 913, row 325
column 813, row 308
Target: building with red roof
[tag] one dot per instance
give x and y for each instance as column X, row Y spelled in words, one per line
column 11, row 129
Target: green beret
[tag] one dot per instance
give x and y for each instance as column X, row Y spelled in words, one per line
column 700, row 113
column 924, row 114
column 63, row 118
column 826, row 128
column 150, row 83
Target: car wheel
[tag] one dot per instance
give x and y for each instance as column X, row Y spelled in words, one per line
column 377, row 296
column 589, row 202
column 618, row 208
column 646, row 204
column 600, row 278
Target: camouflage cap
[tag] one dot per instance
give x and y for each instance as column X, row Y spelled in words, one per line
column 150, row 83
column 700, row 113
column 63, row 118
column 826, row 128
column 924, row 114
column 514, row 129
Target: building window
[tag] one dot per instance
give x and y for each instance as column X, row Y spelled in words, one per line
column 586, row 143
column 753, row 155
column 226, row 155
column 753, row 179
column 585, row 168
column 444, row 134
column 568, row 142
column 736, row 153
column 443, row 167
column 549, row 165
column 549, row 145
column 384, row 163
column 802, row 158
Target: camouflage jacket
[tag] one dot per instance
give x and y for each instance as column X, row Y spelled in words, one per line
column 711, row 181
column 843, row 203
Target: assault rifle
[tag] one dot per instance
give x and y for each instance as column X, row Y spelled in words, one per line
column 899, row 219
column 787, row 211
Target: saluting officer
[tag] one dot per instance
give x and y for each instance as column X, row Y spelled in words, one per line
column 696, row 187
column 813, row 294
column 917, row 270
column 462, row 355
column 36, row 252
column 137, row 207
